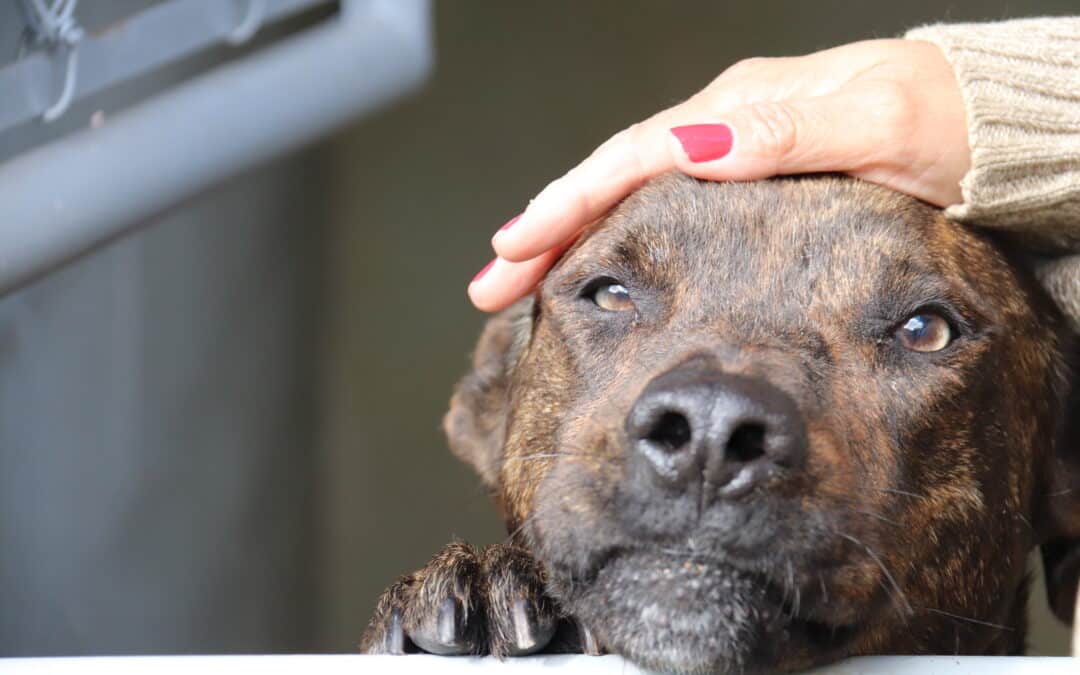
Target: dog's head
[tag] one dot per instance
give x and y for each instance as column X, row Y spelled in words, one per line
column 765, row 425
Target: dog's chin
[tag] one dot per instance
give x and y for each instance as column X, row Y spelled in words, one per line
column 670, row 614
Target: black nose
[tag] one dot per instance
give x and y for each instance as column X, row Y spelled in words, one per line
column 733, row 432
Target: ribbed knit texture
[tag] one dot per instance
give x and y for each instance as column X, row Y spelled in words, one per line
column 1020, row 81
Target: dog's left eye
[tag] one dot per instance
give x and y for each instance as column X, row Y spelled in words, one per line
column 925, row 332
column 610, row 295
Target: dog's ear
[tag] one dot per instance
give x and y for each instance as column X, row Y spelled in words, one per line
column 1059, row 507
column 475, row 425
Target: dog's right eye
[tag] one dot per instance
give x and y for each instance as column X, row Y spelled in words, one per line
column 925, row 332
column 610, row 295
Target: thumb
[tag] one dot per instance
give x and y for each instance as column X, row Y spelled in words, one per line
column 838, row 132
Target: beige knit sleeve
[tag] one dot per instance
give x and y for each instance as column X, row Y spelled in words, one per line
column 1021, row 84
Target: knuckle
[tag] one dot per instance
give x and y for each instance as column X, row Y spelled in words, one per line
column 615, row 141
column 718, row 96
column 634, row 134
column 774, row 129
column 746, row 67
column 637, row 140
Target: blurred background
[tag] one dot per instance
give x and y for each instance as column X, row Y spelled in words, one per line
column 220, row 433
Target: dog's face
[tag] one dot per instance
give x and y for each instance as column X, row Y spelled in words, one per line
column 761, row 426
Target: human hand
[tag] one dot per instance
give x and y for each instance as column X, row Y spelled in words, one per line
column 887, row 111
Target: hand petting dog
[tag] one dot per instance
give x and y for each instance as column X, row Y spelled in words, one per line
column 887, row 111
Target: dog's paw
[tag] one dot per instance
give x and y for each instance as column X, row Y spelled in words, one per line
column 465, row 602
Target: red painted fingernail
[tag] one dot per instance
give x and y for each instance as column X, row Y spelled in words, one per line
column 704, row 142
column 510, row 223
column 481, row 273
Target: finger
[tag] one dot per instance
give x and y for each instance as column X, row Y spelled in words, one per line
column 629, row 159
column 845, row 131
column 503, row 282
column 643, row 151
column 589, row 190
column 837, row 132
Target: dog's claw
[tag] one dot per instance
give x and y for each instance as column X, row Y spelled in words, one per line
column 589, row 645
column 448, row 621
column 533, row 628
column 524, row 627
column 449, row 634
column 395, row 635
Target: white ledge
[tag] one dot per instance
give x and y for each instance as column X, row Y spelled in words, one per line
column 404, row 665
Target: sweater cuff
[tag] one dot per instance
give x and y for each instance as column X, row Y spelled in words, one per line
column 1020, row 82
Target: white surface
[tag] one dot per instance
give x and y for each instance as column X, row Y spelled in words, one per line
column 404, row 665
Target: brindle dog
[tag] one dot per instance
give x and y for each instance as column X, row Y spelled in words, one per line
column 757, row 427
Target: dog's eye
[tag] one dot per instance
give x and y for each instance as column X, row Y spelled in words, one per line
column 925, row 332
column 610, row 295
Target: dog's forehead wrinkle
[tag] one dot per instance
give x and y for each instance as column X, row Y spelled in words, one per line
column 777, row 242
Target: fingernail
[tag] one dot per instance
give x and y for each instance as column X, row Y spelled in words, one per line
column 481, row 273
column 704, row 142
column 510, row 223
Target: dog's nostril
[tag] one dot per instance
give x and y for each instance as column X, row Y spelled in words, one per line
column 746, row 443
column 671, row 431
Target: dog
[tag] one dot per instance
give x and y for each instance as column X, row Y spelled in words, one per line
column 756, row 427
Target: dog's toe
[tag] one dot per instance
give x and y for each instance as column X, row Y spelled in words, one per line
column 445, row 613
column 385, row 633
column 438, row 610
column 520, row 617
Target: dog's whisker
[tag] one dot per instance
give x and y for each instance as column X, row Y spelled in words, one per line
column 691, row 555
column 521, row 526
column 789, row 587
column 884, row 570
column 878, row 516
column 846, row 505
column 542, row 455
column 496, row 464
column 958, row 617
column 788, row 582
column 904, row 493
column 525, row 482
column 677, row 553
column 1019, row 516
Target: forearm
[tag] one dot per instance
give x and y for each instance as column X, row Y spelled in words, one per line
column 1021, row 86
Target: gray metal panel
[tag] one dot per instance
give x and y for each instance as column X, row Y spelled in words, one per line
column 156, row 398
column 136, row 45
column 64, row 199
column 154, row 433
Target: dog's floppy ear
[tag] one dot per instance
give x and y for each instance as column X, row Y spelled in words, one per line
column 476, row 422
column 1060, row 508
